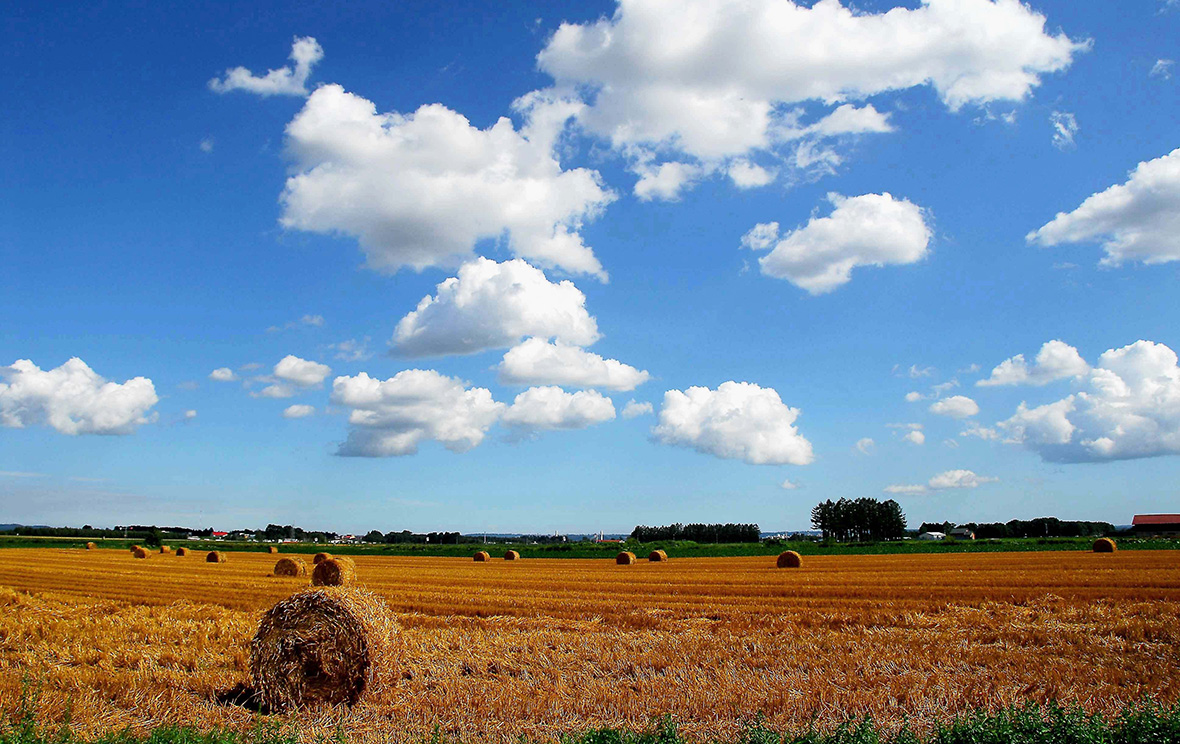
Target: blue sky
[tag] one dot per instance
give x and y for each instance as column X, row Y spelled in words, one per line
column 409, row 265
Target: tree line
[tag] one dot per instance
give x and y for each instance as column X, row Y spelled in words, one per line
column 859, row 520
column 1039, row 527
column 703, row 533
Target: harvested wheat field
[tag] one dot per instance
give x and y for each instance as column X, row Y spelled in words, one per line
column 489, row 652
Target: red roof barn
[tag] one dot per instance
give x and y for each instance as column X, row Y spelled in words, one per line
column 1156, row 524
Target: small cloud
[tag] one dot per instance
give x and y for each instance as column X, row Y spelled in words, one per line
column 206, row 144
column 950, row 443
column 915, row 437
column 947, row 480
column 1065, row 127
column 189, row 415
column 970, row 369
column 284, row 81
column 916, row 372
column 313, row 321
column 20, row 474
column 787, row 485
column 1065, row 265
column 866, row 446
column 635, row 408
column 956, row 406
column 913, row 396
column 352, row 350
column 942, row 387
column 1162, row 69
column 298, row 411
column 250, row 367
column 222, row 374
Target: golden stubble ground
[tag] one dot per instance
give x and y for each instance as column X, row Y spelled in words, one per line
column 492, row 651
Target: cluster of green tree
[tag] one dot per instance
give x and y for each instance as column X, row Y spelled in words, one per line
column 713, row 533
column 130, row 531
column 274, row 532
column 1039, row 527
column 859, row 520
column 427, row 538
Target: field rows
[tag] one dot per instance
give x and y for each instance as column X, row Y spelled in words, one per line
column 492, row 651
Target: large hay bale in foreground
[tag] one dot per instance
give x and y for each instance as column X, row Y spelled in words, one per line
column 626, row 558
column 320, row 557
column 789, row 559
column 511, row 555
column 91, row 546
column 1105, row 545
column 482, row 556
column 272, row 550
column 292, row 567
column 181, row 552
column 215, row 556
column 165, row 550
column 139, row 553
column 339, row 571
column 320, row 647
column 657, row 556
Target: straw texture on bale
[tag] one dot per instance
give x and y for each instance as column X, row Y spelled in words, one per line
column 134, row 548
column 482, row 556
column 320, row 557
column 182, row 552
column 165, row 550
column 321, row 647
column 511, row 555
column 657, row 556
column 91, row 546
column 626, row 558
column 215, row 556
column 272, row 550
column 338, row 571
column 139, row 553
column 789, row 559
column 290, row 567
column 1105, row 545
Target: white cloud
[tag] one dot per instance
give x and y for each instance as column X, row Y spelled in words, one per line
column 738, row 420
column 1136, row 221
column 665, row 181
column 494, row 305
column 915, row 437
column 913, row 396
column 634, row 409
column 285, row 81
column 983, row 432
column 950, row 479
column 422, row 189
column 301, row 372
column 392, row 417
column 189, row 415
column 537, row 361
column 1056, row 360
column 866, row 446
column 223, row 374
column 73, row 399
column 1065, row 127
column 866, row 230
column 298, row 411
column 541, row 408
column 207, row 144
column 956, row 406
column 713, row 81
column 1130, row 409
column 352, row 350
column 316, row 321
column 915, row 372
column 1162, row 68
column 789, row 485
column 747, row 175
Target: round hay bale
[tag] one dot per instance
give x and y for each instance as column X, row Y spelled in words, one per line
column 292, row 567
column 139, row 553
column 320, row 647
column 320, row 557
column 181, row 552
column 481, row 556
column 339, row 571
column 215, row 556
column 1105, row 545
column 91, row 546
column 134, row 548
column 272, row 550
column 657, row 556
column 626, row 558
column 165, row 550
column 511, row 555
column 789, row 559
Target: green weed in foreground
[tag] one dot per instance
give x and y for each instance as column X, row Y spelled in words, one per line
column 1147, row 723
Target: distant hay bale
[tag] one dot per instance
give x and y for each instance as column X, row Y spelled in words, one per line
column 481, row 556
column 165, row 550
column 320, row 557
column 272, row 549
column 292, row 567
column 181, row 552
column 626, row 558
column 134, row 548
column 789, row 559
column 215, row 556
column 657, row 556
column 320, row 647
column 139, row 553
column 1105, row 545
column 339, row 571
column 512, row 555
column 91, row 546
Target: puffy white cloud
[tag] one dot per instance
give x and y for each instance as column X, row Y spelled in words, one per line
column 956, row 406
column 301, row 372
column 738, row 420
column 634, row 409
column 285, row 81
column 421, row 189
column 352, row 350
column 715, row 80
column 541, row 408
column 950, row 479
column 747, row 175
column 223, row 374
column 1130, row 409
column 1056, row 360
column 73, row 399
column 298, row 410
column 537, row 361
column 1136, row 221
column 392, row 417
column 789, row 485
column 866, row 230
column 189, row 415
column 665, row 181
column 494, row 305
column 1065, row 127
column 915, row 437
column 866, row 446
column 985, row 433
column 913, row 396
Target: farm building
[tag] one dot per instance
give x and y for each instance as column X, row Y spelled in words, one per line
column 1156, row 524
column 932, row 536
column 961, row 533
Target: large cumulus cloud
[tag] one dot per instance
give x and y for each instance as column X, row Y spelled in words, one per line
column 73, row 399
